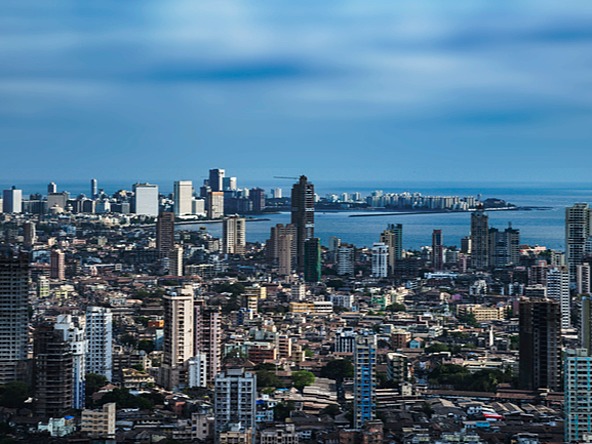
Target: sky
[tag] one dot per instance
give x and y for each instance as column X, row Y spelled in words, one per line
column 405, row 90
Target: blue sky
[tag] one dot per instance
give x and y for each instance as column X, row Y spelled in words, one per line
column 403, row 90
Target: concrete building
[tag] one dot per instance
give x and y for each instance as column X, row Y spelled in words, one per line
column 364, row 379
column 280, row 434
column 29, row 234
column 146, row 199
column 235, row 396
column 312, row 260
column 94, row 188
column 14, row 315
column 583, row 278
column 57, row 263
column 558, row 290
column 380, row 260
column 437, row 250
column 397, row 367
column 345, row 260
column 179, row 336
column 183, row 197
column 281, row 248
column 198, row 371
column 257, row 196
column 302, row 217
column 215, row 204
column 208, row 337
column 578, row 395
column 234, row 238
column 479, row 239
column 12, row 201
column 99, row 335
column 577, row 232
column 73, row 332
column 216, row 179
column 504, row 247
column 99, row 423
column 392, row 237
column 165, row 233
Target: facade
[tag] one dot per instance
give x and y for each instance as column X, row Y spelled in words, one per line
column 504, row 247
column 29, row 234
column 312, row 260
column 235, row 396
column 99, row 335
column 198, row 371
column 57, row 264
column 165, row 233
column 99, row 423
column 208, row 337
column 257, row 196
column 397, row 367
column 364, row 379
column 558, row 290
column 578, row 395
column 178, row 336
column 540, row 344
column 146, row 199
column 94, row 188
column 281, row 248
column 12, row 201
column 280, row 434
column 183, row 197
column 345, row 260
column 234, row 238
column 380, row 260
column 216, row 179
column 479, row 239
column 72, row 330
column 577, row 232
column 53, row 372
column 392, row 237
column 215, row 204
column 303, row 199
column 437, row 250
column 14, row 315
column 583, row 278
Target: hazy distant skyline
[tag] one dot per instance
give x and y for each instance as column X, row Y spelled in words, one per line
column 407, row 90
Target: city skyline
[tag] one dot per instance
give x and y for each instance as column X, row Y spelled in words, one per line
column 407, row 90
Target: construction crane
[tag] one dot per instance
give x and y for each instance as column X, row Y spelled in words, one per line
column 285, row 177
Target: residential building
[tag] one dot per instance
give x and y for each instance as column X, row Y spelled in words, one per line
column 208, row 337
column 235, row 396
column 345, row 260
column 583, row 278
column 99, row 423
column 578, row 395
column 558, row 290
column 392, row 237
column 364, row 379
column 577, row 232
column 312, row 260
column 72, row 329
column 380, row 260
column 303, row 199
column 437, row 250
column 165, row 233
column 234, row 235
column 12, row 201
column 99, row 335
column 479, row 239
column 183, row 197
column 146, row 199
column 57, row 262
column 216, row 179
column 215, row 204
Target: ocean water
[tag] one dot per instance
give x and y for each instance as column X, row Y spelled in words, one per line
column 537, row 227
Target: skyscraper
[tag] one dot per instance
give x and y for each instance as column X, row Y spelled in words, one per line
column 578, row 395
column 215, row 204
column 146, row 199
column 234, row 235
column 208, row 336
column 165, row 233
column 392, row 237
column 57, row 265
column 280, row 249
column 364, row 379
column 183, row 197
column 235, row 395
column 558, row 290
column 380, row 258
column 540, row 344
column 257, row 196
column 479, row 239
column 52, row 188
column 94, row 188
column 99, row 334
column 577, row 232
column 504, row 247
column 583, row 278
column 14, row 315
column 437, row 250
column 216, row 180
column 12, row 201
column 312, row 260
column 72, row 330
column 29, row 234
column 345, row 260
column 303, row 200
column 179, row 335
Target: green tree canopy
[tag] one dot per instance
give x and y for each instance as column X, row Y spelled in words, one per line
column 338, row 369
column 302, row 378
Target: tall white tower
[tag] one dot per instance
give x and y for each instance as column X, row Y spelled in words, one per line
column 183, row 197
column 99, row 334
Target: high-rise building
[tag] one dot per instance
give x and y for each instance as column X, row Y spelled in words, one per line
column 165, row 233
column 577, row 395
column 577, row 232
column 364, row 379
column 276, row 193
column 215, row 204
column 178, row 346
column 437, row 250
column 57, row 265
column 345, row 260
column 198, row 371
column 504, row 247
column 146, row 199
column 281, row 248
column 216, row 181
column 29, row 234
column 558, row 290
column 234, row 235
column 229, row 184
column 99, row 335
column 183, row 197
column 303, row 199
column 257, row 196
column 380, row 260
column 479, row 239
column 94, row 188
column 175, row 261
column 12, row 201
column 583, row 278
column 235, row 397
column 14, row 315
column 99, row 423
column 72, row 330
column 585, row 330
column 392, row 237
column 208, row 336
column 312, row 260
column 53, row 372
column 52, row 188
column 540, row 344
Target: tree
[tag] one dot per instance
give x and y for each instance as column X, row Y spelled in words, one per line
column 437, row 347
column 302, row 378
column 266, row 378
column 282, row 410
column 14, row 394
column 338, row 369
column 331, row 410
column 125, row 400
column 395, row 307
column 147, row 345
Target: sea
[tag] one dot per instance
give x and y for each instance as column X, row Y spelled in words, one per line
column 544, row 227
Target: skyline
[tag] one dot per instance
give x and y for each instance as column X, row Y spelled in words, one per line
column 409, row 91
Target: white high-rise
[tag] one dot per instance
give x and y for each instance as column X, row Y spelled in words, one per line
column 234, row 235
column 72, row 329
column 99, row 334
column 380, row 255
column 577, row 232
column 146, row 199
column 558, row 290
column 183, row 197
column 345, row 260
column 234, row 399
column 12, row 201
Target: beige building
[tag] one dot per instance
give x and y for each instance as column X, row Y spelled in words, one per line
column 234, row 235
column 99, row 423
column 481, row 312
